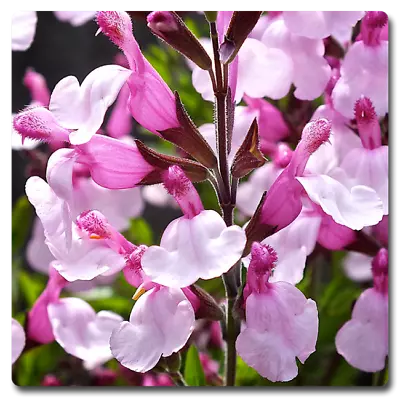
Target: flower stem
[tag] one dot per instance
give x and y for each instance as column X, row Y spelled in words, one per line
column 227, row 203
column 178, row 379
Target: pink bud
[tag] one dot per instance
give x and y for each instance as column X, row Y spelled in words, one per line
column 38, row 123
column 367, row 123
column 37, row 86
column 371, row 27
column 39, row 326
column 51, row 380
column 161, row 21
column 181, row 188
column 380, row 270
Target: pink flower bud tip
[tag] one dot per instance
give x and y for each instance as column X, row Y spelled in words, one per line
column 315, row 133
column 376, row 19
column 94, row 223
column 117, row 26
column 176, row 183
column 364, row 111
column 162, row 21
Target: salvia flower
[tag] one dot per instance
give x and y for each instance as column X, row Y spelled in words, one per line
column 363, row 341
column 281, row 324
column 160, row 324
column 196, row 245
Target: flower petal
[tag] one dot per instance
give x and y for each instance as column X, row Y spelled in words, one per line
column 355, row 208
column 18, row 340
column 160, row 324
column 23, row 29
column 357, row 266
column 81, row 332
column 370, row 168
column 363, row 341
column 201, row 247
column 98, row 91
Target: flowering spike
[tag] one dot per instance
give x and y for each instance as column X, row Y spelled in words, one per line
column 38, row 123
column 181, row 188
column 367, row 123
column 168, row 26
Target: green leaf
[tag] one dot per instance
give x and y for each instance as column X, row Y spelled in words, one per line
column 31, row 286
column 32, row 366
column 194, row 374
column 21, row 217
column 140, row 232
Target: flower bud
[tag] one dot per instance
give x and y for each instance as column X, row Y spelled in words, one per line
column 37, row 86
column 242, row 23
column 168, row 26
column 51, row 380
column 207, row 307
column 380, row 270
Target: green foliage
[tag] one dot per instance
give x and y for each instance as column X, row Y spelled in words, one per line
column 21, row 223
column 33, row 365
column 30, row 287
column 140, row 232
column 194, row 374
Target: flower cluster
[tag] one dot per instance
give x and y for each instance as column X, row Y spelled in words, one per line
column 307, row 177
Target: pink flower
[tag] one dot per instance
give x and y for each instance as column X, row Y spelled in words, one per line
column 23, row 29
column 281, row 324
column 151, row 102
column 363, row 341
column 197, row 245
column 369, row 165
column 78, row 255
column 75, row 18
column 81, row 332
column 39, row 327
column 81, row 108
column 17, row 340
column 159, row 325
column 364, row 71
column 300, row 62
column 320, row 24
